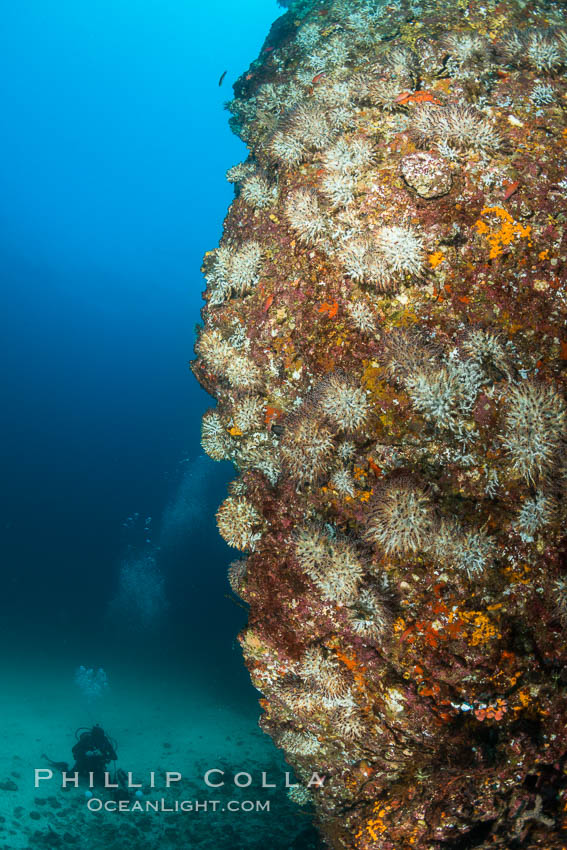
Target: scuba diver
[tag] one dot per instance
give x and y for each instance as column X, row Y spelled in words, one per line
column 93, row 752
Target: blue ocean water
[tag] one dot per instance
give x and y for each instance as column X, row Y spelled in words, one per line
column 114, row 147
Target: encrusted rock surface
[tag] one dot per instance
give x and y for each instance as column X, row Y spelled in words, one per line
column 384, row 333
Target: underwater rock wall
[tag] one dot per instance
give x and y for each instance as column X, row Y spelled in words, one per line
column 384, row 336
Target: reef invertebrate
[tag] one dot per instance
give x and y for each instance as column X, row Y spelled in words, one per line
column 322, row 667
column 339, row 189
column 393, row 253
column 257, row 191
column 489, row 350
column 534, row 428
column 348, row 156
column 342, row 402
column 471, row 551
column 464, row 46
column 542, row 94
column 461, row 127
column 534, row 514
column 299, row 743
column 242, row 373
column 214, row 350
column 305, row 216
column 260, row 451
column 306, row 448
column 234, row 270
column 239, row 523
column 287, row 149
column 214, row 437
column 343, row 482
column 332, row 564
column 540, row 49
column 361, row 316
column 381, row 91
column 560, row 595
column 309, row 123
column 341, row 573
column 403, row 63
column 400, row 519
column 401, row 247
column 446, row 396
column 368, row 615
column 248, row 412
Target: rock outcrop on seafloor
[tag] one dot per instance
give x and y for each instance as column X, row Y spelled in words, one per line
column 384, row 336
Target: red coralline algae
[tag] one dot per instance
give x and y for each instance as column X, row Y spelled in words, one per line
column 384, row 333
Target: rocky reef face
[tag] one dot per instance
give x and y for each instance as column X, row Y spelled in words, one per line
column 384, row 335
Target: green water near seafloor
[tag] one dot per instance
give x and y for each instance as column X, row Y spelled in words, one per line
column 161, row 721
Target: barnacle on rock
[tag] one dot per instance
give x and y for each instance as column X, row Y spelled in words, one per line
column 214, row 350
column 391, row 254
column 361, row 316
column 339, row 189
column 542, row 51
column 242, row 373
column 325, row 672
column 333, row 565
column 542, row 94
column 309, row 123
column 560, row 595
column 260, row 451
column 401, row 248
column 342, row 573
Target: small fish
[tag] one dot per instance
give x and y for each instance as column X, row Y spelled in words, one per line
column 417, row 97
column 318, row 77
column 510, row 188
column 222, row 76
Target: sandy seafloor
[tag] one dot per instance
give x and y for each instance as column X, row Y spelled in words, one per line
column 162, row 718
